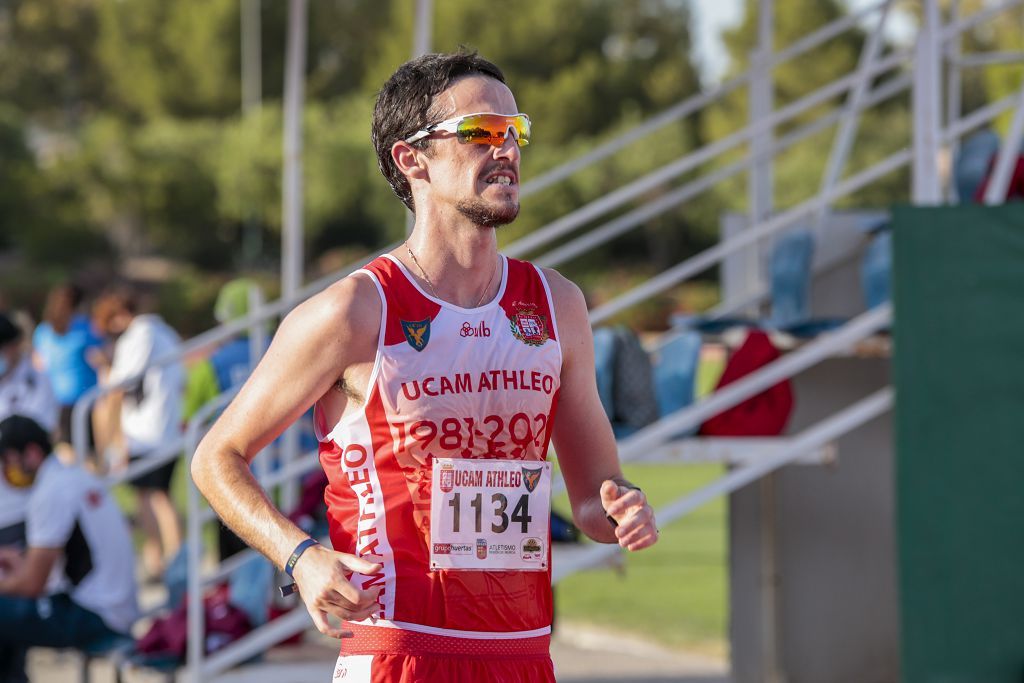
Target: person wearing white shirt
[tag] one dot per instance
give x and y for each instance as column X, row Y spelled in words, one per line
column 150, row 413
column 24, row 390
column 74, row 584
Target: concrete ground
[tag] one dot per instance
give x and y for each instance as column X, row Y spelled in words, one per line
column 581, row 655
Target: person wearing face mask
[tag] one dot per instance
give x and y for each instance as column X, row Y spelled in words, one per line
column 24, row 390
column 74, row 584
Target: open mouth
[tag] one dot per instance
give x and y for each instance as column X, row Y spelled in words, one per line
column 504, row 178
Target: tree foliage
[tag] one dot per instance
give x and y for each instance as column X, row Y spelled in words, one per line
column 122, row 129
column 134, row 112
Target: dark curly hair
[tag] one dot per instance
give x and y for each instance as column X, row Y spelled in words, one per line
column 405, row 105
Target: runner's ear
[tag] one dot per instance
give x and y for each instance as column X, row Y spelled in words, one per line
column 409, row 160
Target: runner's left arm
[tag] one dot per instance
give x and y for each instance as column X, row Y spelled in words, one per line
column 583, row 439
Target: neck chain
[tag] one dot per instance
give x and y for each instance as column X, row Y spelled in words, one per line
column 430, row 284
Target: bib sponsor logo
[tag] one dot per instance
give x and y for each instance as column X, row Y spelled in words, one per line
column 481, row 548
column 416, row 333
column 503, row 549
column 480, row 330
column 528, row 326
column 531, row 478
column 447, row 482
column 533, row 549
column 442, row 548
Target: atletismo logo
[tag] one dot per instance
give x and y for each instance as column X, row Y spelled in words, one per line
column 480, row 330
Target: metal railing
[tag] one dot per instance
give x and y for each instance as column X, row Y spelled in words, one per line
column 810, row 439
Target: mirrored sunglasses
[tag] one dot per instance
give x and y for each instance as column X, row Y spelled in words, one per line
column 483, row 128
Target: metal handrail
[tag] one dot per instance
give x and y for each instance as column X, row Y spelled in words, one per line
column 714, row 255
column 622, row 224
column 814, row 437
column 695, row 102
column 694, row 159
column 692, row 416
column 957, row 28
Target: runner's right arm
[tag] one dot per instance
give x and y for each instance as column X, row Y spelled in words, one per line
column 316, row 345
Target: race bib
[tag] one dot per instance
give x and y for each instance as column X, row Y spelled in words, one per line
column 490, row 514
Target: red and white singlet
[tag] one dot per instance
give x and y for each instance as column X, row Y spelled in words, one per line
column 452, row 391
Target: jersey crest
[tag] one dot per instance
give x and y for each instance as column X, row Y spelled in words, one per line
column 529, row 326
column 417, row 333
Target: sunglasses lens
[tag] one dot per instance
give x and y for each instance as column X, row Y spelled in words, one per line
column 490, row 129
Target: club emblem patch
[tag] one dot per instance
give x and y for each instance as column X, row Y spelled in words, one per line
column 531, row 478
column 416, row 333
column 529, row 326
column 481, row 548
column 447, row 482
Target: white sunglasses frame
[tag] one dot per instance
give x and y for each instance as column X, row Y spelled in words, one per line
column 452, row 126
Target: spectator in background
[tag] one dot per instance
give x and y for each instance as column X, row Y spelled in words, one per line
column 74, row 585
column 24, row 390
column 150, row 414
column 65, row 346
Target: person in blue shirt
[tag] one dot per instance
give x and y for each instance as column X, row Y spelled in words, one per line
column 64, row 345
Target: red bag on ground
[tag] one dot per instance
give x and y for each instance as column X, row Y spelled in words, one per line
column 168, row 636
column 765, row 414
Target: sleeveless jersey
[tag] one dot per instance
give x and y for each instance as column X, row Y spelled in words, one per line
column 447, row 382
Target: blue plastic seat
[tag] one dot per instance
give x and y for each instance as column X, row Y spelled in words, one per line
column 675, row 374
column 604, row 361
column 790, row 272
column 972, row 162
column 876, row 270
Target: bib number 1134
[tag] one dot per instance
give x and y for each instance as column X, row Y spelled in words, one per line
column 520, row 513
column 490, row 514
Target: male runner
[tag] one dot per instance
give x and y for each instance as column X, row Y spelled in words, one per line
column 438, row 373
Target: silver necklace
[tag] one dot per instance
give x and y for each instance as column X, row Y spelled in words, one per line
column 430, row 284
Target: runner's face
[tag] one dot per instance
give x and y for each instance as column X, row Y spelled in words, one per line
column 480, row 181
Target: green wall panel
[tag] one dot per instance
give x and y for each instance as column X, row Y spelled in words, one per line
column 959, row 372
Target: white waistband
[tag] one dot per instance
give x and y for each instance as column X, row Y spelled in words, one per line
column 454, row 633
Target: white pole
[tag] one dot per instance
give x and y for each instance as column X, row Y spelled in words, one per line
column 252, row 98
column 252, row 66
column 759, row 185
column 423, row 28
column 954, row 94
column 294, row 94
column 291, row 248
column 927, row 189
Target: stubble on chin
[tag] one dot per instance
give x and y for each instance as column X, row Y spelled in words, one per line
column 488, row 215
